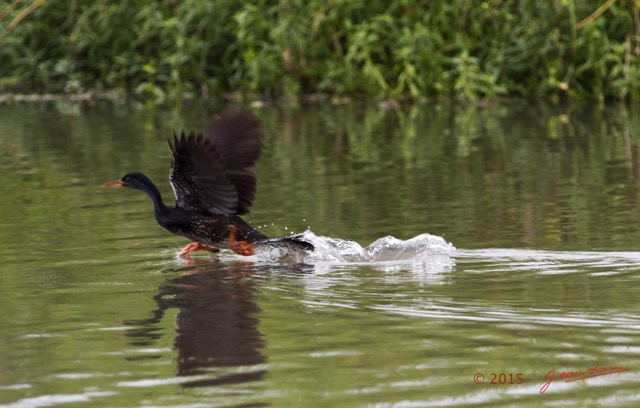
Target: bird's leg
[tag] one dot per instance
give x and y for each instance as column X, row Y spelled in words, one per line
column 196, row 246
column 239, row 247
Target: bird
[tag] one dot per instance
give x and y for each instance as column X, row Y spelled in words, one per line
column 214, row 182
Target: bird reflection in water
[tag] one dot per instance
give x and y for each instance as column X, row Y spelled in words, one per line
column 216, row 324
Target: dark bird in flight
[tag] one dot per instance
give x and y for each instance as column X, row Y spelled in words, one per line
column 214, row 182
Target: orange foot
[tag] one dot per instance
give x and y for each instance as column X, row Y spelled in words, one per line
column 239, row 247
column 196, row 246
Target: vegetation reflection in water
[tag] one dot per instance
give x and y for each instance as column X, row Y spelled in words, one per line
column 102, row 313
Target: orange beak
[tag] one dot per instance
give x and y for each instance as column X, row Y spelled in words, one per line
column 114, row 183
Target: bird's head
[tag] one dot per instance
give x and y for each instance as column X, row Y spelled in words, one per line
column 137, row 181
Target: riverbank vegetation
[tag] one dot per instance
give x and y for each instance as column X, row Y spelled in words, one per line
column 401, row 49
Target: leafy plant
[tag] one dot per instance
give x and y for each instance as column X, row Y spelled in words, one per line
column 398, row 49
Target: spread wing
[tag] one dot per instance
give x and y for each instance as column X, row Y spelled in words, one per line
column 214, row 172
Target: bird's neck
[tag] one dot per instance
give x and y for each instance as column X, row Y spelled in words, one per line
column 156, row 199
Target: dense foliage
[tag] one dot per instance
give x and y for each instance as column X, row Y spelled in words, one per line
column 404, row 48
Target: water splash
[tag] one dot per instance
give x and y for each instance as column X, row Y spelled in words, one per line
column 386, row 249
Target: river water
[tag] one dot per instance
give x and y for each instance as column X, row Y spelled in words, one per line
column 465, row 257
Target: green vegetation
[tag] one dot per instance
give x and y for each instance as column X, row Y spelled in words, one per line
column 469, row 50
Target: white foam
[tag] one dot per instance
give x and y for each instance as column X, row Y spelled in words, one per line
column 336, row 250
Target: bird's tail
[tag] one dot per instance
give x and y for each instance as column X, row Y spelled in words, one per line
column 292, row 241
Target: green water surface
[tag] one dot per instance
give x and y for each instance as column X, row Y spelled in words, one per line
column 542, row 204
